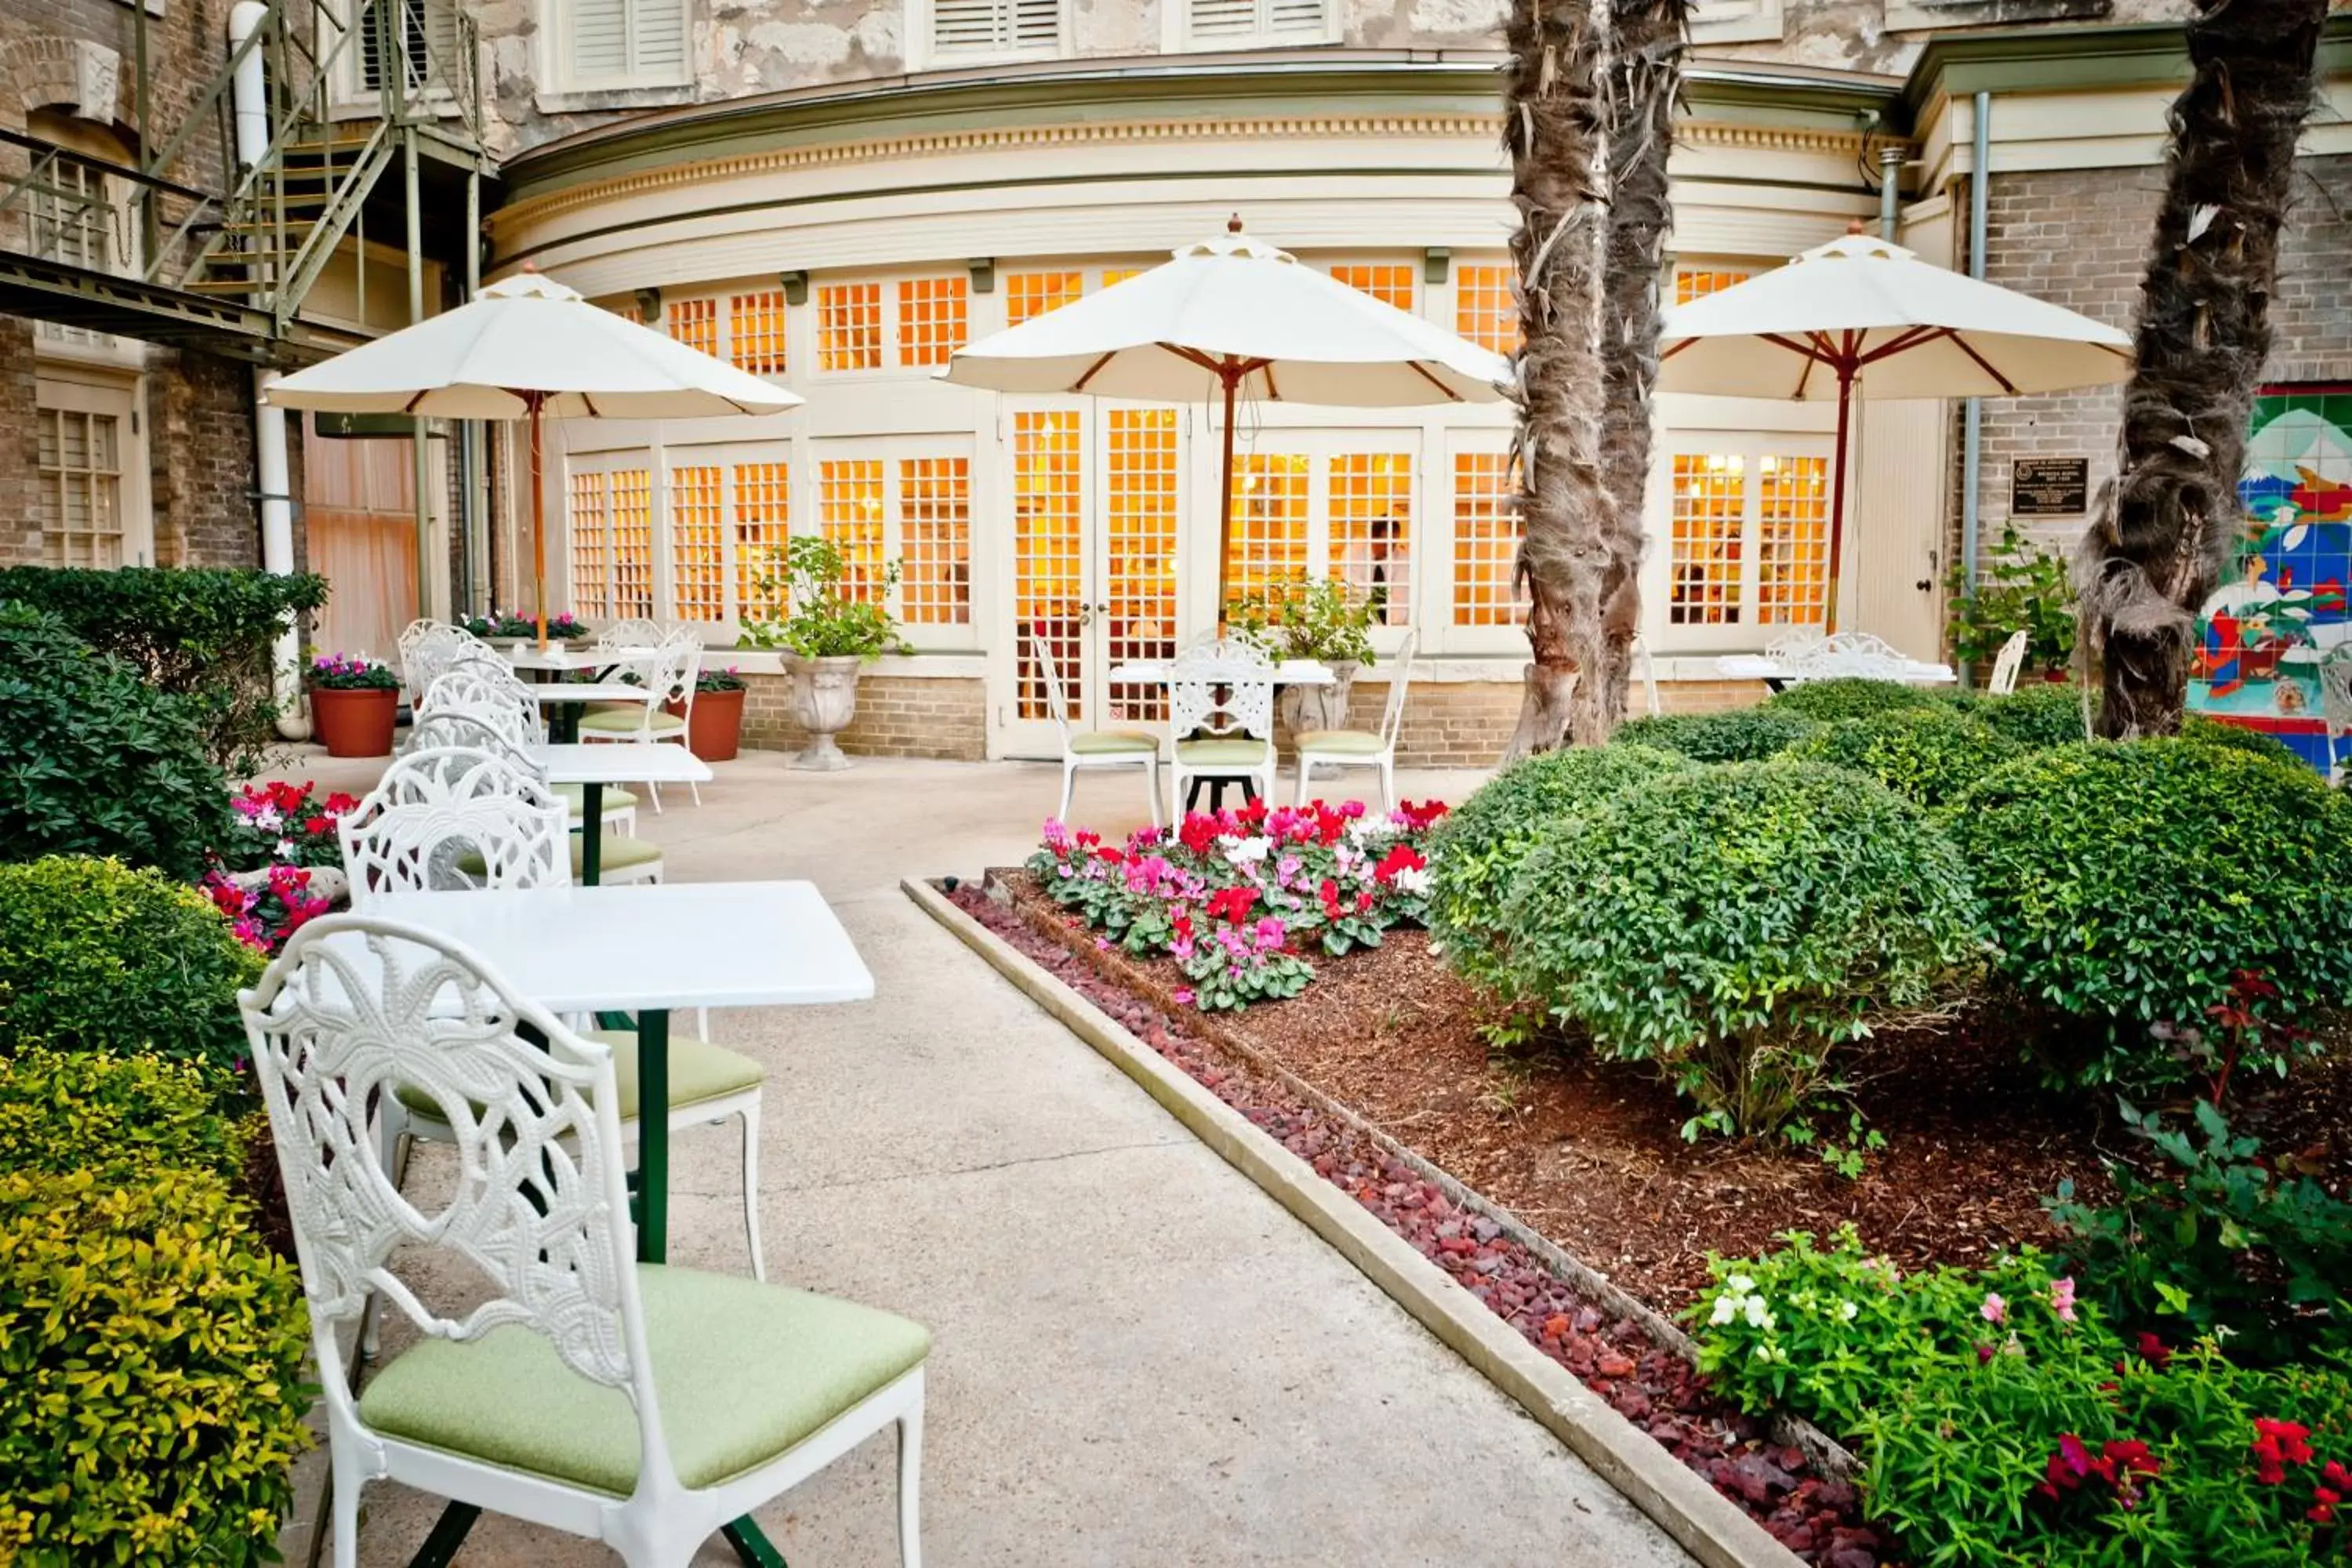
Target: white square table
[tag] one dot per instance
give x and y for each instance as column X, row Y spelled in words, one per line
column 592, row 766
column 1159, row 671
column 1778, row 673
column 565, row 698
column 558, row 658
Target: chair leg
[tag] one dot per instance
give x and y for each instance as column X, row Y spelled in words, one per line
column 1151, row 783
column 1069, row 783
column 1305, row 772
column 344, row 1506
column 752, row 1188
column 655, row 791
column 910, row 1489
column 1388, row 782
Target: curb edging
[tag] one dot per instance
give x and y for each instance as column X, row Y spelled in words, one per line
column 1706, row 1524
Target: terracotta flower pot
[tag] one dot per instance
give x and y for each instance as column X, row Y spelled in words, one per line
column 825, row 700
column 714, row 730
column 352, row 722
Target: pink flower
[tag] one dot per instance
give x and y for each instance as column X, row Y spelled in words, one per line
column 1181, row 997
column 2062, row 1299
column 1995, row 1309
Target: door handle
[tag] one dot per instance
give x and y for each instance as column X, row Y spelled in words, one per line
column 1924, row 585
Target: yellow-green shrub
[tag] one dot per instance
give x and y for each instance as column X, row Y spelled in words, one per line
column 117, row 1118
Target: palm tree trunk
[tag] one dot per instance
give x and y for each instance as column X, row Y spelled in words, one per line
column 1645, row 60
column 2168, row 522
column 1555, row 128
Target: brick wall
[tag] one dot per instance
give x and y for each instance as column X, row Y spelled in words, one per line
column 898, row 716
column 1453, row 724
column 2078, row 237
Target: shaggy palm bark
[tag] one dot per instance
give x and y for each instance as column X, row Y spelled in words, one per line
column 1555, row 128
column 2167, row 523
column 1645, row 60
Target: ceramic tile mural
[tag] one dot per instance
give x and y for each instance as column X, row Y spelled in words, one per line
column 2281, row 606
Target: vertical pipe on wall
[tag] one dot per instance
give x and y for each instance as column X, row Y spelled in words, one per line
column 473, row 530
column 1890, row 176
column 272, row 476
column 1972, row 426
column 417, row 435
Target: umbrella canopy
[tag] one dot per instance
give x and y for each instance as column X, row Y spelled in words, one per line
column 1239, row 319
column 1864, row 318
column 526, row 347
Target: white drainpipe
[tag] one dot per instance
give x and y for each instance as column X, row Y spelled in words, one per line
column 251, row 107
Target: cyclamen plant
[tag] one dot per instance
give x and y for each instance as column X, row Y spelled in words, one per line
column 282, row 824
column 522, row 623
column 264, row 917
column 353, row 672
column 1231, row 896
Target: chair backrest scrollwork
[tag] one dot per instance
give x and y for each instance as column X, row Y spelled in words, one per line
column 435, row 807
column 1224, row 689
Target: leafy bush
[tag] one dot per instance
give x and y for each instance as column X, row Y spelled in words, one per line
column 120, row 1118
column 150, row 1366
column 1831, row 1335
column 2020, row 587
column 827, row 608
column 95, row 957
column 1304, row 617
column 198, row 633
column 1740, row 735
column 2034, row 716
column 1848, row 697
column 2142, row 885
column 2221, row 1242
column 2154, row 1461
column 94, row 761
column 2206, row 731
column 1735, row 925
column 1926, row 754
column 1478, row 850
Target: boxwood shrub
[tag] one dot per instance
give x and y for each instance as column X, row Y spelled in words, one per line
column 2033, row 716
column 1925, row 754
column 97, row 957
column 1740, row 735
column 116, row 1117
column 1848, row 697
column 1477, row 847
column 2131, row 885
column 2208, row 731
column 93, row 760
column 1736, row 924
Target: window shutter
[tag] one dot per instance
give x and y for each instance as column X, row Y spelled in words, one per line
column 995, row 26
column 1242, row 21
column 1296, row 18
column 659, row 27
column 600, row 38
column 423, row 31
column 1223, row 19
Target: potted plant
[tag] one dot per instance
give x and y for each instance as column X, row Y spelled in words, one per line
column 833, row 626
column 513, row 625
column 2018, row 588
column 354, row 702
column 714, row 724
column 1318, row 619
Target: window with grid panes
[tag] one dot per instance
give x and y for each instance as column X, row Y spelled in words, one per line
column 1483, row 310
column 763, row 511
column 1697, row 282
column 697, row 559
column 1371, row 524
column 1486, row 539
column 592, row 556
column 849, row 513
column 1030, row 294
column 70, row 220
column 1048, row 566
column 1121, row 274
column 1389, row 283
column 78, row 464
column 1792, row 541
column 1140, row 552
column 850, row 326
column 935, row 541
column 932, row 315
column 628, row 312
column 1269, row 523
column 755, row 332
column 694, row 322
column 1705, row 532
column 632, row 542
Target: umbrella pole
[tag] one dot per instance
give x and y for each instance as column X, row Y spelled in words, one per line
column 1837, row 498
column 1232, row 379
column 538, row 525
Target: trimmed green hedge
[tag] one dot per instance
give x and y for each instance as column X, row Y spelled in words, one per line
column 2033, row 716
column 116, row 1117
column 1848, row 697
column 1925, row 754
column 200, row 633
column 1736, row 735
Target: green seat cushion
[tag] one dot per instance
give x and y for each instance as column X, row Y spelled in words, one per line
column 616, row 798
column 743, row 1371
column 1245, row 753
column 1341, row 743
column 618, row 854
column 1112, row 742
column 626, row 719
column 699, row 1070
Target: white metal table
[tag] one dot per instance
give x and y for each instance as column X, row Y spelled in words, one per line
column 557, row 657
column 564, row 700
column 1778, row 673
column 592, row 767
column 1157, row 672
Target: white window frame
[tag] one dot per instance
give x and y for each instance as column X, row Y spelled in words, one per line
column 808, row 519
column 77, row 390
column 354, row 99
column 805, row 360
column 555, row 19
column 1176, row 30
column 1321, row 444
column 1442, row 633
column 923, row 53
column 1747, row 633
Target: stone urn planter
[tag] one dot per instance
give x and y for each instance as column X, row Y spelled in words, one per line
column 825, row 700
column 354, row 721
column 1305, row 707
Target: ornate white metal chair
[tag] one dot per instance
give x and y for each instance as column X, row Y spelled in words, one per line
column 1093, row 749
column 428, row 649
column 1847, row 655
column 1220, row 694
column 2007, row 663
column 642, row 1406
column 630, row 632
column 1649, row 668
column 2335, row 704
column 1363, row 748
column 669, row 673
column 496, row 728
column 455, row 818
column 1791, row 646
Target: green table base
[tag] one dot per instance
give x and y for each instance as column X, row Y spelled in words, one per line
column 592, row 834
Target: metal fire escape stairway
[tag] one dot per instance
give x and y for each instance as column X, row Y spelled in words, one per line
column 354, row 89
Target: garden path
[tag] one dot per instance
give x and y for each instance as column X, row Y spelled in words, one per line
column 1140, row 1357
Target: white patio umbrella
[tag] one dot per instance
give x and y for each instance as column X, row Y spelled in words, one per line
column 1242, row 320
column 1861, row 317
column 527, row 347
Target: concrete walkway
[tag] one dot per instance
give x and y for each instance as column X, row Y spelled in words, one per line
column 1141, row 1358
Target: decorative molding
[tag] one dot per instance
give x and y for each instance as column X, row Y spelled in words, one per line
column 1774, row 138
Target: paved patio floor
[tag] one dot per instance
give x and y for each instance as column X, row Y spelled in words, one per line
column 1141, row 1358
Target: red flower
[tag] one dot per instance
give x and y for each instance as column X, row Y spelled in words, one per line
column 2323, row 1505
column 2336, row 1476
column 314, row 826
column 340, row 802
column 1400, row 857
column 1230, row 904
column 2277, row 1445
column 2153, row 1352
column 2131, row 1457
column 1199, row 833
column 1108, row 855
column 1329, row 893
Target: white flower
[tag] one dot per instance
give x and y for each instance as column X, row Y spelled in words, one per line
column 1726, row 1309
column 1414, row 881
column 1848, row 1311
column 1759, row 1316
column 267, row 819
column 1740, row 1284
column 1369, row 829
column 286, row 848
column 1247, row 851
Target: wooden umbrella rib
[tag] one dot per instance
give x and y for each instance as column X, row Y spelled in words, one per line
column 1984, row 364
column 1450, row 396
column 1107, row 356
